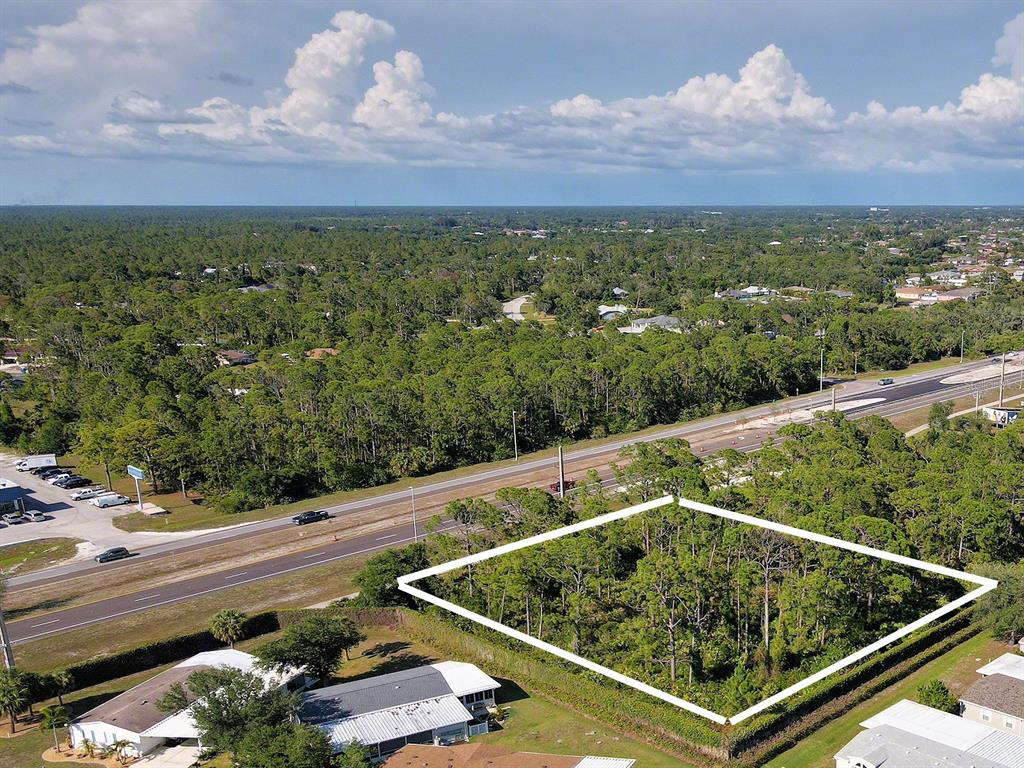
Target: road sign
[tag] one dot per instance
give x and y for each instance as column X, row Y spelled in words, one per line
column 137, row 473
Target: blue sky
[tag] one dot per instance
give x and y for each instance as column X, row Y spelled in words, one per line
column 203, row 102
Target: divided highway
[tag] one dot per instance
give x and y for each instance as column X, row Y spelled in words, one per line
column 746, row 430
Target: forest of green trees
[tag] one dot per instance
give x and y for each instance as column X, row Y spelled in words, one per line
column 125, row 310
column 725, row 614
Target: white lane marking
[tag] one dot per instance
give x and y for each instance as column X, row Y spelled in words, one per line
column 236, row 575
column 171, row 600
column 315, row 554
column 43, row 624
column 389, row 536
column 147, row 597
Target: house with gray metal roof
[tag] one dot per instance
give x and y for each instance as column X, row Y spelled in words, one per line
column 440, row 704
column 911, row 735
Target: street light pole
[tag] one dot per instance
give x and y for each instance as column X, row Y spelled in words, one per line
column 415, row 530
column 515, row 437
column 962, row 346
column 1002, row 376
column 821, row 371
column 561, row 474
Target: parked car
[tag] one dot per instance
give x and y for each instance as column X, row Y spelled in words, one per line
column 53, row 479
column 109, row 500
column 87, row 493
column 70, row 483
column 884, row 382
column 13, row 518
column 35, row 516
column 569, row 485
column 47, row 472
column 114, row 553
column 310, row 516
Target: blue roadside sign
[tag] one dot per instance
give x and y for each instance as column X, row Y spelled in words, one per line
column 137, row 473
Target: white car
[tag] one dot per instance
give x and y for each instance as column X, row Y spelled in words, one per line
column 88, row 493
column 55, row 478
column 13, row 518
column 35, row 516
column 109, row 500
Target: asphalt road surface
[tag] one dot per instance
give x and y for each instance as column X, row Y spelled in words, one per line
column 707, row 435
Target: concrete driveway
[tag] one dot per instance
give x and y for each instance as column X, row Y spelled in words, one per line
column 170, row 757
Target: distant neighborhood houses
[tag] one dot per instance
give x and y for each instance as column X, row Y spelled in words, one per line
column 989, row 733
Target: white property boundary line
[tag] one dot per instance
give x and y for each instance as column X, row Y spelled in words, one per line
column 984, row 585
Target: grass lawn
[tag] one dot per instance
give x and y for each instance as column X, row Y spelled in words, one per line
column 537, row 725
column 35, row 555
column 955, row 668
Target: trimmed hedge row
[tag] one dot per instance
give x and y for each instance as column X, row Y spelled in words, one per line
column 132, row 660
column 768, row 749
column 747, row 737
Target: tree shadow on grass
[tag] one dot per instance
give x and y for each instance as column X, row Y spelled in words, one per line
column 383, row 650
column 13, row 614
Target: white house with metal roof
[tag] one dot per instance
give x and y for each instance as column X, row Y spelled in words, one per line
column 133, row 715
column 439, row 704
column 911, row 735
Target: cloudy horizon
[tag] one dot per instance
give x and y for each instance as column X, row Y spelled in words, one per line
column 196, row 101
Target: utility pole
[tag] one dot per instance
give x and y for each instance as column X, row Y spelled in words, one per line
column 962, row 347
column 1002, row 376
column 833, row 399
column 561, row 474
column 977, row 400
column 5, row 643
column 821, row 371
column 415, row 531
column 515, row 438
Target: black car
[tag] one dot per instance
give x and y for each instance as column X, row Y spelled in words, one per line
column 310, row 517
column 49, row 472
column 70, row 483
column 115, row 553
column 38, row 471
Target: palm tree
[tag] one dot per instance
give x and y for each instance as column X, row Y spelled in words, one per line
column 119, row 749
column 88, row 747
column 13, row 695
column 63, row 682
column 53, row 718
column 227, row 626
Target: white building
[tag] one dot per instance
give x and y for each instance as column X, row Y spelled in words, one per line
column 641, row 324
column 911, row 735
column 611, row 311
column 133, row 716
column 439, row 704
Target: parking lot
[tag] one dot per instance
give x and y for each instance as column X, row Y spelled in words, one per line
column 67, row 518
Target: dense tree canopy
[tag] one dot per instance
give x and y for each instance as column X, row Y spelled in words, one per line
column 126, row 310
